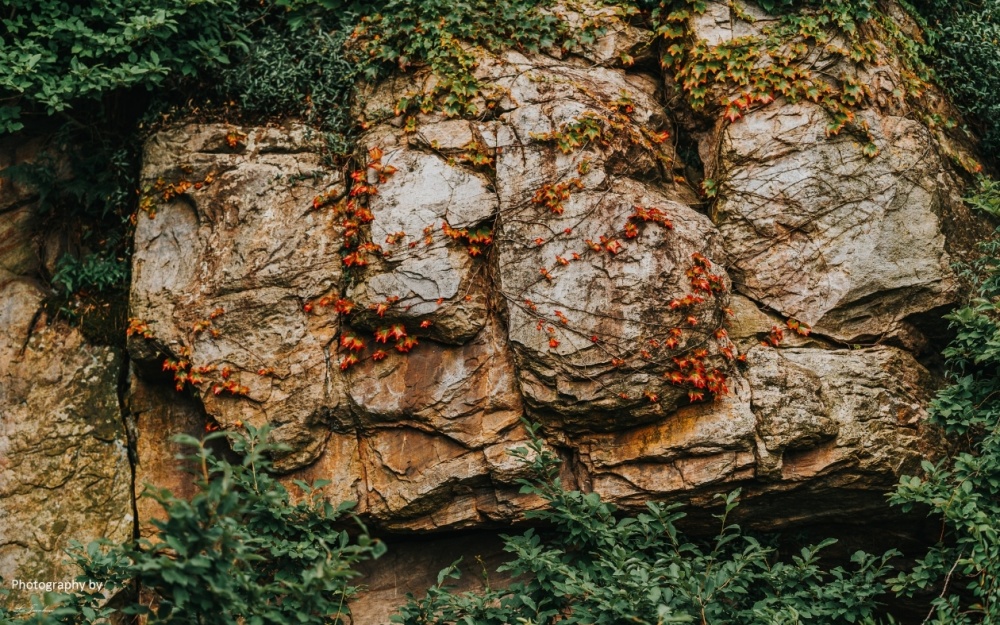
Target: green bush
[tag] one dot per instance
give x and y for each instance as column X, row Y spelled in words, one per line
column 56, row 53
column 986, row 196
column 964, row 489
column 296, row 71
column 93, row 272
column 239, row 552
column 592, row 567
column 964, row 47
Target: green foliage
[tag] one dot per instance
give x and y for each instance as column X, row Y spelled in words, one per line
column 596, row 568
column 55, row 53
column 406, row 32
column 93, row 272
column 238, row 552
column 755, row 70
column 296, row 71
column 964, row 490
column 964, row 47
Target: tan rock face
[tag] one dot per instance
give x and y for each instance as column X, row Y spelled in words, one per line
column 821, row 233
column 595, row 280
column 546, row 261
column 157, row 414
column 551, row 262
column 64, row 467
column 815, row 229
column 64, row 460
column 224, row 268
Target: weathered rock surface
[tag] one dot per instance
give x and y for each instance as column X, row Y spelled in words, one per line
column 799, row 420
column 226, row 257
column 64, row 467
column 546, row 261
column 566, row 312
column 821, row 233
column 64, row 464
column 816, row 230
column 156, row 414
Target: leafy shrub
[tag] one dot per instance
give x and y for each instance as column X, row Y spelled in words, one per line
column 55, row 53
column 964, row 46
column 238, row 552
column 986, row 197
column 93, row 272
column 964, row 490
column 595, row 568
column 296, row 71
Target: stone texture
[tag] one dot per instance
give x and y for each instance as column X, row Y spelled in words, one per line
column 243, row 238
column 64, row 467
column 467, row 393
column 235, row 271
column 431, row 277
column 611, row 297
column 821, row 412
column 837, row 425
column 814, row 229
column 156, row 414
column 64, row 464
column 817, row 231
column 413, row 566
column 420, row 439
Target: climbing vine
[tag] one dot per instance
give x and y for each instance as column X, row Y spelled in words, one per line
column 781, row 59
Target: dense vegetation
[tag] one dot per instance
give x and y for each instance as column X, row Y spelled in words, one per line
column 594, row 567
column 99, row 73
column 963, row 43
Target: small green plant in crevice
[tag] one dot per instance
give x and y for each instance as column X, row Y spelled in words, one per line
column 92, row 272
column 592, row 566
column 238, row 552
column 963, row 490
column 986, row 196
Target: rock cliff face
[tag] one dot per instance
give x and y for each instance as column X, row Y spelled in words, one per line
column 551, row 261
column 64, row 465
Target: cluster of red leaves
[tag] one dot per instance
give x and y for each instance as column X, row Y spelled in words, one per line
column 701, row 276
column 552, row 196
column 476, row 241
column 645, row 215
column 354, row 209
column 168, row 191
column 140, row 328
column 395, row 333
column 691, row 372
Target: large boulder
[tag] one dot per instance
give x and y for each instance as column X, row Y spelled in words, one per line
column 818, row 231
column 551, row 261
column 837, row 219
column 229, row 250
